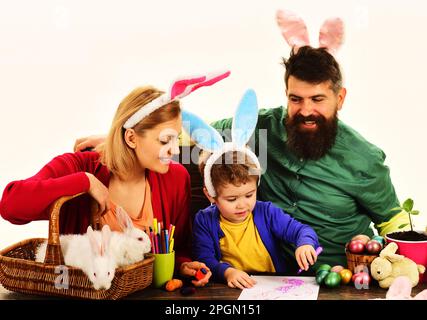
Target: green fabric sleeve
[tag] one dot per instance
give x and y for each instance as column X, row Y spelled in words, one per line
column 224, row 127
column 376, row 193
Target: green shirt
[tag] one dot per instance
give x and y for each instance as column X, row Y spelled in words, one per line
column 338, row 195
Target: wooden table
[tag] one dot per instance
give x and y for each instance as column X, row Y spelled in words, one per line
column 216, row 291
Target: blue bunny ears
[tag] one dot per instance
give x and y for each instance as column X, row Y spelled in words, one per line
column 208, row 138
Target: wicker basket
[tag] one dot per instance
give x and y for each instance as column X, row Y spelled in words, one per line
column 21, row 273
column 359, row 261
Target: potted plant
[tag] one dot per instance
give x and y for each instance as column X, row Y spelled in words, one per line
column 412, row 244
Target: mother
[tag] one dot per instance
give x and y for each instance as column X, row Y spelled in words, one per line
column 132, row 169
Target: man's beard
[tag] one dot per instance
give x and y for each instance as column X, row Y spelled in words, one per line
column 311, row 144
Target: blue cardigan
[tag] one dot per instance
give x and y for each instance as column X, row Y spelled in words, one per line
column 274, row 227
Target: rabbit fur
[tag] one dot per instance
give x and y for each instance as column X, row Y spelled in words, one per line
column 126, row 247
column 89, row 252
column 129, row 246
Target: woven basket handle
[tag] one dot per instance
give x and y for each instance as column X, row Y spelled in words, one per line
column 53, row 251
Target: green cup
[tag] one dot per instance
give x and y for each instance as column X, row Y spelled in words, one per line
column 163, row 268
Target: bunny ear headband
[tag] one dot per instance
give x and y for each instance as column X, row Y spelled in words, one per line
column 295, row 32
column 179, row 89
column 207, row 138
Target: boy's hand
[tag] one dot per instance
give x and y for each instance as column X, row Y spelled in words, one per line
column 238, row 279
column 306, row 256
column 189, row 269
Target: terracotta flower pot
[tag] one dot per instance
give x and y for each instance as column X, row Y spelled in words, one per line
column 414, row 250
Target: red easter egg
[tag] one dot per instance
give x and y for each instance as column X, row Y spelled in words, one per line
column 373, row 247
column 362, row 237
column 356, row 246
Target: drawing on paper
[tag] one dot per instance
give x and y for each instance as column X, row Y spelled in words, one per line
column 282, row 288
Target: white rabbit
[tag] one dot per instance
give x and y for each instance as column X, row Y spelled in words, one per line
column 89, row 252
column 128, row 246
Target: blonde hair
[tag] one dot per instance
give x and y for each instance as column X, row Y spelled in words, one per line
column 115, row 154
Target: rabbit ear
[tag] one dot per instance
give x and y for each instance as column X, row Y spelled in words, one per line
column 106, row 237
column 293, row 29
column 92, row 240
column 206, row 137
column 245, row 119
column 123, row 219
column 179, row 86
column 400, row 288
column 183, row 87
column 331, row 34
column 389, row 253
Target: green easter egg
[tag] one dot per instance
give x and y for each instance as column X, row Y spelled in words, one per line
column 325, row 267
column 333, row 279
column 379, row 239
column 321, row 275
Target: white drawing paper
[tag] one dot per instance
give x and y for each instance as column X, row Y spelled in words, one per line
column 281, row 288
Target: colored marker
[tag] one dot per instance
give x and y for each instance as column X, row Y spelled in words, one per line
column 171, row 245
column 172, row 231
column 155, row 225
column 166, row 241
column 200, row 274
column 318, row 251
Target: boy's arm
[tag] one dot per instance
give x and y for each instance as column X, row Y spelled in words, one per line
column 290, row 230
column 204, row 248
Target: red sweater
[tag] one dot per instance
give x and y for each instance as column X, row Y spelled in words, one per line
column 28, row 200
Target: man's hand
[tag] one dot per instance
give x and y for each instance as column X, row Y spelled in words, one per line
column 305, row 255
column 99, row 192
column 88, row 142
column 189, row 269
column 238, row 279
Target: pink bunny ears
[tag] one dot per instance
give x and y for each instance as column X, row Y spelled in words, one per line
column 179, row 89
column 295, row 32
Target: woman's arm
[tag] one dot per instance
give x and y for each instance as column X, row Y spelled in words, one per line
column 27, row 200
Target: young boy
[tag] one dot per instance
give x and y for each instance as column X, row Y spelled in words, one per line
column 237, row 234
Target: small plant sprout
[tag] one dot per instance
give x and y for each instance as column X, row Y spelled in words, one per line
column 407, row 207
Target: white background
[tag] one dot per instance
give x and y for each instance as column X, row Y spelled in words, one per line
column 65, row 66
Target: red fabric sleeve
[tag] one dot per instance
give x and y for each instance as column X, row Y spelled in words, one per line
column 170, row 195
column 182, row 218
column 27, row 200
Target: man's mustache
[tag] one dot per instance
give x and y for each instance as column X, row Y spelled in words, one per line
column 299, row 118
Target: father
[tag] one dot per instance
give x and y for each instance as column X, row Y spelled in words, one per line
column 318, row 169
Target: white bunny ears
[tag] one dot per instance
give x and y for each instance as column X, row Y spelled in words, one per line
column 179, row 89
column 295, row 32
column 207, row 138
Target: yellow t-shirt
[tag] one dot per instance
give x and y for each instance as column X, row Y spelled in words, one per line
column 242, row 246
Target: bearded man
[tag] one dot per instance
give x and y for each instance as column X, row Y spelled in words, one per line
column 317, row 168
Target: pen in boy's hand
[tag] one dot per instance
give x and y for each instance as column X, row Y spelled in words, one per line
column 318, row 251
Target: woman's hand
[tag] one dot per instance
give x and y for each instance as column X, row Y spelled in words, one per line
column 238, row 279
column 305, row 255
column 88, row 142
column 189, row 269
column 99, row 192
